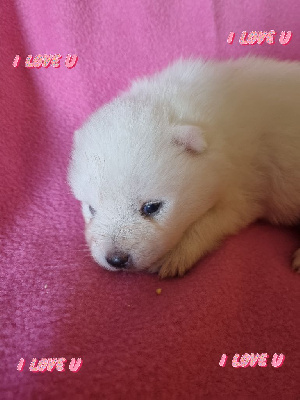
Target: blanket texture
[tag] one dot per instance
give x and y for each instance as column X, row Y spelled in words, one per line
column 55, row 302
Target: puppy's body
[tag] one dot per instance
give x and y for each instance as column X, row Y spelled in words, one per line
column 217, row 145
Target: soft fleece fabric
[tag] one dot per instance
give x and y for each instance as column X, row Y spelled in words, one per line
column 55, row 302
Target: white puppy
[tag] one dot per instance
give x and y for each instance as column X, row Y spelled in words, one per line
column 186, row 158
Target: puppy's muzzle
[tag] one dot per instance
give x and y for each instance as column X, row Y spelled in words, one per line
column 118, row 260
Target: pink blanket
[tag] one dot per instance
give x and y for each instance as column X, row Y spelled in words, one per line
column 55, row 302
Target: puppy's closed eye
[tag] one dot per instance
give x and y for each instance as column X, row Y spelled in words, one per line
column 92, row 211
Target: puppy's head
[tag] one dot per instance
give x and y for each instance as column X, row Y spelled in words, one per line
column 142, row 179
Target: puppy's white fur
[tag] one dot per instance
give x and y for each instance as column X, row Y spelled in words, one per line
column 218, row 143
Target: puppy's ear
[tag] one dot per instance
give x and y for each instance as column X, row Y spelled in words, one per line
column 190, row 137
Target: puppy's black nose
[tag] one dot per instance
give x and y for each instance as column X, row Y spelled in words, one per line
column 118, row 260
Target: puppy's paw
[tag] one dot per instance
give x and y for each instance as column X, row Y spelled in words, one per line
column 296, row 261
column 175, row 264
